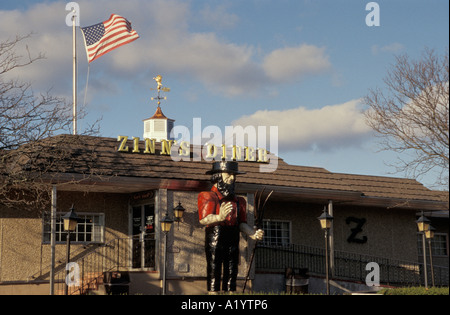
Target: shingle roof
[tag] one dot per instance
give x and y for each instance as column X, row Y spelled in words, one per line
column 388, row 187
column 98, row 155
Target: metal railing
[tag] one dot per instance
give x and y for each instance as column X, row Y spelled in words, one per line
column 43, row 273
column 347, row 266
column 86, row 273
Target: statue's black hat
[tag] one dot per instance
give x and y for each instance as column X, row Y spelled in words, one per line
column 225, row 167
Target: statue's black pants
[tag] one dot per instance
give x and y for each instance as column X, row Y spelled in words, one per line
column 222, row 250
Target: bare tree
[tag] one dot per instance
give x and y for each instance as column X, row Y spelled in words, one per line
column 25, row 117
column 28, row 154
column 411, row 115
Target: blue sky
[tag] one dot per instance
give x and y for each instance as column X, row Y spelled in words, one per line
column 301, row 65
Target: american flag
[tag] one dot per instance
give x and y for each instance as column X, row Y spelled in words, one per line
column 103, row 37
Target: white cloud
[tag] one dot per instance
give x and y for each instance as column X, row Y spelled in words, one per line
column 218, row 17
column 391, row 48
column 48, row 36
column 322, row 129
column 289, row 63
column 166, row 45
column 225, row 67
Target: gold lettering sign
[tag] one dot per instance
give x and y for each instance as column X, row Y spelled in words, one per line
column 123, row 143
column 236, row 153
column 149, row 146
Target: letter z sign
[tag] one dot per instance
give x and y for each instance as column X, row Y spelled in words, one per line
column 356, row 230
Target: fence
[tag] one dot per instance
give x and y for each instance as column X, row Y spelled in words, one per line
column 347, row 266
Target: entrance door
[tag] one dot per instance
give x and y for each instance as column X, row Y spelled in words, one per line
column 143, row 232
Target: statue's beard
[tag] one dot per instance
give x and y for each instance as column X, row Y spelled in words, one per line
column 227, row 190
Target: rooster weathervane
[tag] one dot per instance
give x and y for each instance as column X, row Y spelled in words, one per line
column 159, row 88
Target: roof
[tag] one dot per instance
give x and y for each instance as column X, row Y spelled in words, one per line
column 158, row 115
column 98, row 161
column 388, row 187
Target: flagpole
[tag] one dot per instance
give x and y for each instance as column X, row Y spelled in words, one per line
column 74, row 45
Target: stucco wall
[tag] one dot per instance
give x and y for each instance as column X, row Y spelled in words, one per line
column 390, row 233
column 22, row 253
column 20, row 250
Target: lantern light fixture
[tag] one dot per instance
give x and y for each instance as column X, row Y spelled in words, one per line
column 429, row 234
column 325, row 220
column 423, row 224
column 178, row 212
column 70, row 220
column 166, row 224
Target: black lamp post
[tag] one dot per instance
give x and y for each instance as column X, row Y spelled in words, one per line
column 166, row 225
column 70, row 225
column 423, row 225
column 429, row 235
column 326, row 221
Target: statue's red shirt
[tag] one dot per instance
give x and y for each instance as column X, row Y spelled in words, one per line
column 209, row 203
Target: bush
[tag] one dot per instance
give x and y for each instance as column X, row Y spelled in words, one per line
column 416, row 291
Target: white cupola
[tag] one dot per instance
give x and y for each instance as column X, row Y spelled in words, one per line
column 158, row 126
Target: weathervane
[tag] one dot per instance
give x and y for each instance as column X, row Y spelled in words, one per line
column 159, row 88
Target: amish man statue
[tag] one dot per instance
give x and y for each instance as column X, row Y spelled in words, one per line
column 224, row 215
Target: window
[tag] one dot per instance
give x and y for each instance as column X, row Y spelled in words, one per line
column 90, row 228
column 277, row 232
column 438, row 244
